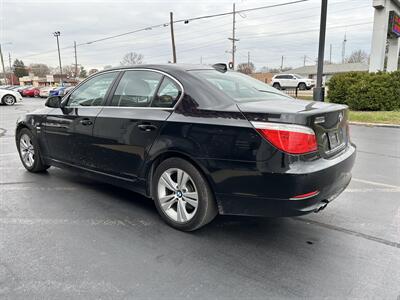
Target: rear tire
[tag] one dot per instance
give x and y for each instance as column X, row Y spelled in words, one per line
column 29, row 151
column 182, row 196
column 277, row 86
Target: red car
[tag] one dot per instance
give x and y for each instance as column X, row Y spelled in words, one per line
column 31, row 92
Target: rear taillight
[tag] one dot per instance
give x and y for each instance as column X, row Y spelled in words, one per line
column 305, row 196
column 290, row 138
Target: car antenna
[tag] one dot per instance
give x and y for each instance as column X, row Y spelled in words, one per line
column 221, row 67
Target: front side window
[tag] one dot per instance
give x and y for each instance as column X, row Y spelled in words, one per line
column 93, row 91
column 136, row 89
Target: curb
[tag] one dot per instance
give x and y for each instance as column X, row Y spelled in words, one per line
column 374, row 124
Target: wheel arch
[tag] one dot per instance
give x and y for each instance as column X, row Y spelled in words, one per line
column 170, row 154
column 8, row 94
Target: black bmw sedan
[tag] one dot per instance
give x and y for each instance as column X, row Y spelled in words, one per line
column 197, row 140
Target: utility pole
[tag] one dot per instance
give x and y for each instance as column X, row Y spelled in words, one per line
column 233, row 38
column 248, row 59
column 282, row 63
column 2, row 64
column 330, row 53
column 11, row 71
column 76, row 61
column 344, row 49
column 304, row 61
column 201, row 60
column 171, row 24
column 319, row 91
column 57, row 34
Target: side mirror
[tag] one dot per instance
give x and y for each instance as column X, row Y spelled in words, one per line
column 53, row 102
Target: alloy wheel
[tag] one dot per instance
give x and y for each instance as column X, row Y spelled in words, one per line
column 27, row 150
column 9, row 100
column 178, row 195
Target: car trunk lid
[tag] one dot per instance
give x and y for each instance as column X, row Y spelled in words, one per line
column 329, row 121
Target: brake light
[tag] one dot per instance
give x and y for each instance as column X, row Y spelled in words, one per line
column 305, row 196
column 290, row 138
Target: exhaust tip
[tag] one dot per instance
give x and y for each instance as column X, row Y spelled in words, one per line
column 325, row 204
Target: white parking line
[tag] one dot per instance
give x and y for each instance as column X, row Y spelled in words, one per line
column 87, row 222
column 376, row 183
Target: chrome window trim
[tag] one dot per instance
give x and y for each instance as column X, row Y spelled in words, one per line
column 127, row 107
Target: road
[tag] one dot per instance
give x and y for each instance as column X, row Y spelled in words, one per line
column 64, row 236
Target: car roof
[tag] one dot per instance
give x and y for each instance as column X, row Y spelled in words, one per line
column 163, row 67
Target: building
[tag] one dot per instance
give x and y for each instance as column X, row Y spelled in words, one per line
column 329, row 70
column 49, row 80
column 264, row 77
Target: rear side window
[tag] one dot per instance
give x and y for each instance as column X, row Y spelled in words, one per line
column 240, row 87
column 136, row 89
column 168, row 93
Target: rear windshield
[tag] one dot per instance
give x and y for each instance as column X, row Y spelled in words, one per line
column 240, row 87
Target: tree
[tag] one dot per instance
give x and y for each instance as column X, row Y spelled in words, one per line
column 132, row 58
column 40, row 70
column 19, row 68
column 82, row 72
column 246, row 68
column 92, row 71
column 69, row 70
column 357, row 56
column 278, row 70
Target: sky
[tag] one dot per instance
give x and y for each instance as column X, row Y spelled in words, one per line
column 290, row 31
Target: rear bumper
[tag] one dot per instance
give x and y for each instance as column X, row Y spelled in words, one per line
column 268, row 194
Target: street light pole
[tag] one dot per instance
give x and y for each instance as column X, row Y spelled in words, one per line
column 57, row 34
column 11, row 70
column 2, row 64
column 319, row 91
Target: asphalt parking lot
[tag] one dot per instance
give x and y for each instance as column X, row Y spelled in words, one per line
column 64, row 236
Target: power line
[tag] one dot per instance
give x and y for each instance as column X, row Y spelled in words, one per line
column 166, row 24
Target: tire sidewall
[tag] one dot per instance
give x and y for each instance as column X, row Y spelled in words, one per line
column 302, row 86
column 277, row 86
column 4, row 101
column 204, row 192
column 35, row 145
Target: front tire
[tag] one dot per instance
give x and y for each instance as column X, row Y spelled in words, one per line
column 302, row 86
column 8, row 100
column 29, row 152
column 182, row 196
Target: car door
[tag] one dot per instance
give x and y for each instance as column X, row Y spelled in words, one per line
column 127, row 127
column 291, row 81
column 69, row 130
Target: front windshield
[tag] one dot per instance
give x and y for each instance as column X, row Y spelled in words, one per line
column 240, row 87
column 298, row 76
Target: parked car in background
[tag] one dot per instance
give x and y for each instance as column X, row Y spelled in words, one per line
column 30, row 92
column 58, row 91
column 68, row 89
column 22, row 88
column 282, row 81
column 9, row 97
column 197, row 140
column 44, row 91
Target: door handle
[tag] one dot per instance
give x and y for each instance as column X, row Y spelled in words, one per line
column 85, row 122
column 147, row 127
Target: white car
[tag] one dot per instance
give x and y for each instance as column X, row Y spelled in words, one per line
column 9, row 97
column 44, row 91
column 282, row 81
